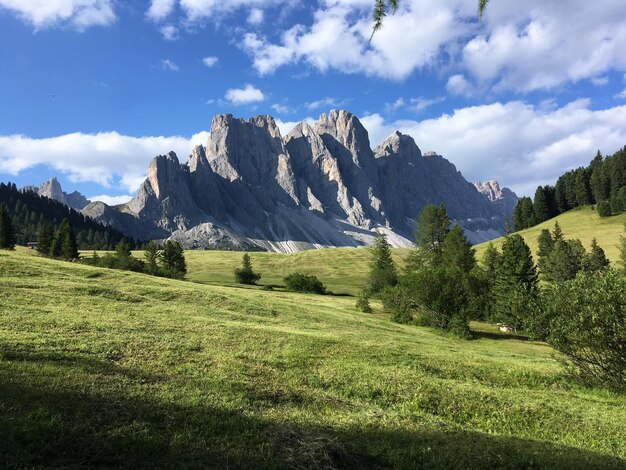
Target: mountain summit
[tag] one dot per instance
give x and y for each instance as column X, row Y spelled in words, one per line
column 321, row 185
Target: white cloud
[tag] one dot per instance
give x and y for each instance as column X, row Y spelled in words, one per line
column 621, row 94
column 396, row 105
column 167, row 64
column 519, row 144
column 160, row 9
column 169, row 32
column 327, row 102
column 287, row 126
column 196, row 10
column 539, row 45
column 600, row 81
column 107, row 158
column 111, row 200
column 81, row 14
column 519, row 46
column 417, row 104
column 256, row 16
column 458, row 85
column 246, row 95
column 404, row 44
column 280, row 108
column 210, row 61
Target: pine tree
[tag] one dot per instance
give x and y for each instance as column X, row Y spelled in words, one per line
column 557, row 233
column 565, row 260
column 433, row 225
column 516, row 282
column 173, row 259
column 151, row 254
column 69, row 247
column 541, row 205
column 583, row 191
column 596, row 260
column 45, row 239
column 245, row 274
column 546, row 244
column 491, row 262
column 457, row 252
column 7, row 232
column 383, row 270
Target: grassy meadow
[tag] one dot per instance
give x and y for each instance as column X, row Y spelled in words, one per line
column 110, row 368
column 582, row 223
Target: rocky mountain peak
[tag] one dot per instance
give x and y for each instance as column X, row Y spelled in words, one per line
column 400, row 145
column 52, row 190
column 162, row 173
column 491, row 189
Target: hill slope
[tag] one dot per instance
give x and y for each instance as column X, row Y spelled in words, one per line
column 582, row 223
column 110, row 368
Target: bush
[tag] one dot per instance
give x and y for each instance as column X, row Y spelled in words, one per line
column 604, row 209
column 298, row 282
column 363, row 303
column 585, row 318
column 398, row 300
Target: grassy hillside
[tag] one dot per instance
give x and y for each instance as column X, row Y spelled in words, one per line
column 584, row 224
column 109, row 368
column 343, row 270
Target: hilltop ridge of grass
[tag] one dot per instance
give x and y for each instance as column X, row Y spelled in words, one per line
column 582, row 223
column 110, row 368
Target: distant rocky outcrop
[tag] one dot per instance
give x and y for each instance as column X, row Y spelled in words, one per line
column 52, row 190
column 321, row 185
column 504, row 200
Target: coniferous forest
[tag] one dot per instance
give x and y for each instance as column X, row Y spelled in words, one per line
column 31, row 213
column 602, row 182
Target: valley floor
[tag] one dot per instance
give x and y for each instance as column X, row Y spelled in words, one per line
column 110, row 368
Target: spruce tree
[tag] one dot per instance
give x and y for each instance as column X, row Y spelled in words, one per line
column 541, row 205
column 457, row 252
column 516, row 282
column 69, row 247
column 45, row 239
column 557, row 233
column 383, row 270
column 491, row 262
column 245, row 274
column 7, row 232
column 433, row 225
column 151, row 254
column 173, row 259
column 546, row 244
column 565, row 260
column 596, row 260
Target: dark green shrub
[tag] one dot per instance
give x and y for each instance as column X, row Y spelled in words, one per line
column 298, row 282
column 604, row 209
column 586, row 322
column 363, row 302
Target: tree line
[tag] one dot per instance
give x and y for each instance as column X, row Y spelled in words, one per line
column 602, row 182
column 578, row 307
column 30, row 213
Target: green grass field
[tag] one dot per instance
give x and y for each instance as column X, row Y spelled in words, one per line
column 342, row 270
column 584, row 224
column 109, row 368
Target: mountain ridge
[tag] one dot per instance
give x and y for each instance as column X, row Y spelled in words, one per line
column 321, row 185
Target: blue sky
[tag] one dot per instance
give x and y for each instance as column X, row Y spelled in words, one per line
column 91, row 90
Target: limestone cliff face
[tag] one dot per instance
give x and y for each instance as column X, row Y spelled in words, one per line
column 322, row 185
column 503, row 200
column 52, row 190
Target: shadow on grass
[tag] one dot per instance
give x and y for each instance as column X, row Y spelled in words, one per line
column 499, row 336
column 44, row 422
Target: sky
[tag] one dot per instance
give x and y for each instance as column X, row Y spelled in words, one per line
column 92, row 90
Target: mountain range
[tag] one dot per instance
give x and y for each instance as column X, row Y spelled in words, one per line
column 321, row 185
